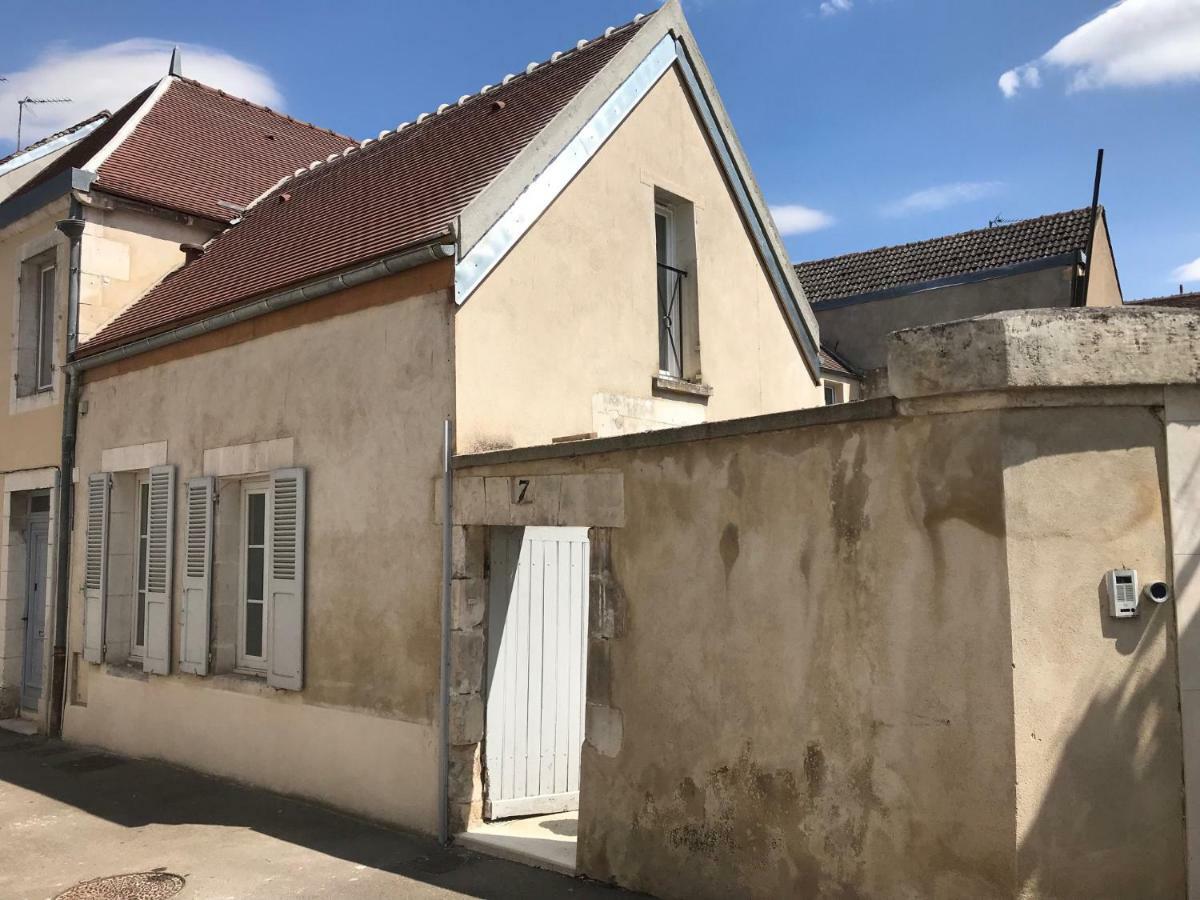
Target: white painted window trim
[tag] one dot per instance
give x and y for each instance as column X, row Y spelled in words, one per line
column 38, row 399
column 140, row 560
column 244, row 663
column 42, row 350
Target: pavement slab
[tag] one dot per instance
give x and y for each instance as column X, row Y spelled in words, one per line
column 70, row 814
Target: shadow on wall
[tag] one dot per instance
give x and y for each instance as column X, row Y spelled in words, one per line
column 1095, row 803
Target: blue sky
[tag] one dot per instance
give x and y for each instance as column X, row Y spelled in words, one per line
column 883, row 121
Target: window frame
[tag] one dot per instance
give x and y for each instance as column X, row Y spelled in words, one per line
column 244, row 662
column 839, row 390
column 670, row 259
column 141, row 561
column 44, row 354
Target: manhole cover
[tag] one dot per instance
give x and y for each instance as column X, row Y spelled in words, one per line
column 136, row 886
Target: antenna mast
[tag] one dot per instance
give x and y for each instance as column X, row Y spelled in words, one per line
column 33, row 100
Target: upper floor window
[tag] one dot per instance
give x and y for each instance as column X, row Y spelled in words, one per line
column 670, row 292
column 675, row 259
column 45, row 339
column 35, row 325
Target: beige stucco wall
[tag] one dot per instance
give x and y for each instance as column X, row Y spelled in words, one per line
column 30, row 427
column 561, row 339
column 362, row 396
column 859, row 331
column 870, row 659
column 124, row 254
column 1096, row 699
column 1104, row 288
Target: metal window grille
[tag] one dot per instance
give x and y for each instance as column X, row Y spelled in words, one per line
column 670, row 319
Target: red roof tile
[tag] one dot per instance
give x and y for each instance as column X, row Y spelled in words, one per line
column 195, row 147
column 394, row 193
column 943, row 257
column 831, row 362
column 198, row 146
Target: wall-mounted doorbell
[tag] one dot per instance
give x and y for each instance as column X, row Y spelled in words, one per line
column 1122, row 587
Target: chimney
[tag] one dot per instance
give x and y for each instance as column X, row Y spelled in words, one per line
column 191, row 252
column 176, row 63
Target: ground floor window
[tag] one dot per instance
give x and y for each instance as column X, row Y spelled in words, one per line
column 252, row 605
column 141, row 545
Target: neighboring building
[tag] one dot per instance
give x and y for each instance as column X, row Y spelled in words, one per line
column 1181, row 300
column 23, row 164
column 840, row 383
column 860, row 298
column 578, row 250
column 112, row 200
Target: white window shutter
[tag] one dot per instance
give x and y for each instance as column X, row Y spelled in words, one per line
column 160, row 535
column 197, row 577
column 285, row 581
column 95, row 566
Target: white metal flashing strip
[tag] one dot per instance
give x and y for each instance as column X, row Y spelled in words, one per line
column 49, row 147
column 94, row 164
column 750, row 212
column 537, row 197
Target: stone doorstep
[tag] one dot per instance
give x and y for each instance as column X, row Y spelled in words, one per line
column 19, row 726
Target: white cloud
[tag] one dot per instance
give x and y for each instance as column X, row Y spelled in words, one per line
column 1133, row 43
column 792, row 218
column 833, row 7
column 108, row 76
column 942, row 196
column 1188, row 271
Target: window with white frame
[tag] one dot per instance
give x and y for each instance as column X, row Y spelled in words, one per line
column 239, row 599
column 141, row 546
column 35, row 325
column 252, row 604
column 676, row 296
column 835, row 391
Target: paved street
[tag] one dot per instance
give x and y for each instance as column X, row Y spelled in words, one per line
column 69, row 815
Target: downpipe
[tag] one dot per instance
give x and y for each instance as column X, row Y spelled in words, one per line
column 444, row 679
column 56, row 706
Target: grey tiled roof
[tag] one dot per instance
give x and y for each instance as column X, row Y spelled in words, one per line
column 943, row 257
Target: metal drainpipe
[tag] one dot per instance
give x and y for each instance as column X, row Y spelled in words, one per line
column 73, row 228
column 444, row 679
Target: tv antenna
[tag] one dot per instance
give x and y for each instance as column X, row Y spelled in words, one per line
column 33, row 100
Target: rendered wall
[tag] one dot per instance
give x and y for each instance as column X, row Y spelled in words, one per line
column 1096, row 699
column 859, row 331
column 362, row 395
column 562, row 338
column 866, row 655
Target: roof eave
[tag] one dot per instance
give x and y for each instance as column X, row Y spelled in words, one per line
column 433, row 249
column 21, row 205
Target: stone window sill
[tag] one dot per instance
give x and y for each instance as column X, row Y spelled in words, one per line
column 669, row 384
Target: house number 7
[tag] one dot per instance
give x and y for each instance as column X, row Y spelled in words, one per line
column 521, row 492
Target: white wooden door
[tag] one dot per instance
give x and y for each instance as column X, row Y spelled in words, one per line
column 537, row 655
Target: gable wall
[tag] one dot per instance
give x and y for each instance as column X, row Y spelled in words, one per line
column 562, row 339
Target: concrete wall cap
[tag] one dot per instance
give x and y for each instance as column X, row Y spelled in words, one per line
column 1083, row 347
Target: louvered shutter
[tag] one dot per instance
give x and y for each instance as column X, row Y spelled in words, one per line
column 285, row 581
column 197, row 577
column 160, row 535
column 95, row 566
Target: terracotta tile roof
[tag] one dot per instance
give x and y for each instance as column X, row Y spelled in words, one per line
column 103, row 114
column 943, row 257
column 831, row 362
column 195, row 147
column 402, row 190
column 198, row 146
column 1174, row 301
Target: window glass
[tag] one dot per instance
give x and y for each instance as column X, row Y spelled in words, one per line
column 45, row 349
column 254, row 579
column 139, row 635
